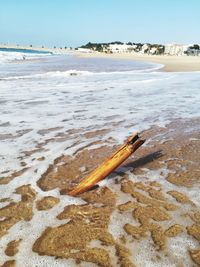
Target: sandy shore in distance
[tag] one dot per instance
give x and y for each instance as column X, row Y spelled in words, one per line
column 171, row 63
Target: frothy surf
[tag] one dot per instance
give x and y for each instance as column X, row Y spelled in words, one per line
column 14, row 55
column 46, row 114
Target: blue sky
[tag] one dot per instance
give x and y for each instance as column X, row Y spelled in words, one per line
column 75, row 22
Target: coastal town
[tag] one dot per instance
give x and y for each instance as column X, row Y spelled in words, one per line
column 140, row 48
column 119, row 47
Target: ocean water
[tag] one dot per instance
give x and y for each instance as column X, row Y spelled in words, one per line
column 12, row 54
column 47, row 103
column 67, row 92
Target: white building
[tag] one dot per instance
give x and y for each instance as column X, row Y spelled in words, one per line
column 175, row 49
column 120, row 48
column 145, row 48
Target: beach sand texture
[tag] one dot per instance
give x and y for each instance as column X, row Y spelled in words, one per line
column 170, row 63
column 141, row 209
column 146, row 213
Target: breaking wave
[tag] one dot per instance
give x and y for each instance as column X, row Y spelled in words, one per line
column 69, row 73
column 8, row 57
column 49, row 74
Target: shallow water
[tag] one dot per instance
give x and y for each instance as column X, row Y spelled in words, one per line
column 73, row 93
column 48, row 102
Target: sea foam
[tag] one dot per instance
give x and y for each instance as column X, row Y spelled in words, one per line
column 73, row 102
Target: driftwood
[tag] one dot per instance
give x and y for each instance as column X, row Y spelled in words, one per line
column 109, row 165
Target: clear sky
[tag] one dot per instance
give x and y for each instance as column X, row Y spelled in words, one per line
column 75, row 22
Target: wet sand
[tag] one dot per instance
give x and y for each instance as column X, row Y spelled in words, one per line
column 151, row 199
column 171, row 63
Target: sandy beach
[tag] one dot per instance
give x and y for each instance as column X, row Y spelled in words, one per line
column 171, row 63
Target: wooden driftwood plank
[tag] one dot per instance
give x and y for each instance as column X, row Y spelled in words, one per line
column 109, row 165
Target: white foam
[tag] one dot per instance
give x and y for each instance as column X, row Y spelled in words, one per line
column 144, row 251
column 7, row 57
column 123, row 102
column 49, row 74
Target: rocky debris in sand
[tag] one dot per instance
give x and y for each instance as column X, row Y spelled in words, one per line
column 158, row 237
column 136, row 231
column 101, row 195
column 128, row 187
column 174, row 230
column 130, row 205
column 12, row 247
column 157, row 194
column 194, row 230
column 187, row 178
column 7, row 199
column 94, row 143
column 122, row 239
column 157, row 233
column 47, row 203
column 27, row 192
column 150, row 207
column 144, row 214
column 28, row 153
column 176, row 148
column 11, row 263
column 195, row 255
column 180, row 197
column 49, row 130
column 17, row 211
column 87, row 222
column 186, row 154
column 6, row 180
column 23, row 163
column 11, row 136
column 7, row 136
column 69, row 241
column 41, row 158
column 67, row 175
column 86, row 214
column 123, row 253
column 6, row 224
column 155, row 184
column 141, row 186
column 96, row 133
column 155, row 209
column 195, row 216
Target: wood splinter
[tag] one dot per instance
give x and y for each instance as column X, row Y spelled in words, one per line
column 109, row 165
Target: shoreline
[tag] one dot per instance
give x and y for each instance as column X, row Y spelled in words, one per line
column 171, row 63
column 145, row 213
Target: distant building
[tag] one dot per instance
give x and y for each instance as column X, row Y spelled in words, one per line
column 175, row 49
column 145, row 48
column 118, row 48
column 140, row 48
